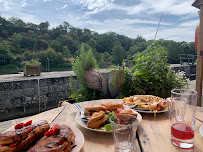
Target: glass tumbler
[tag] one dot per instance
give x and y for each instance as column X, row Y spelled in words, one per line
column 124, row 131
column 182, row 114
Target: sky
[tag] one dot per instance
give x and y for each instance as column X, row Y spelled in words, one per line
column 131, row 18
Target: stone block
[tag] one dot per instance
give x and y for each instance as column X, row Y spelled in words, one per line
column 6, row 86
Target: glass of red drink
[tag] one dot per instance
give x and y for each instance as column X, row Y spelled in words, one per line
column 182, row 114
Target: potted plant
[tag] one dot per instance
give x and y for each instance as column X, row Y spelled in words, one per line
column 31, row 68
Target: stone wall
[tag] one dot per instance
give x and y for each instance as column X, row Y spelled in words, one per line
column 21, row 98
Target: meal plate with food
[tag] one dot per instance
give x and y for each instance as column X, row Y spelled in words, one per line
column 79, row 138
column 146, row 103
column 99, row 120
column 41, row 136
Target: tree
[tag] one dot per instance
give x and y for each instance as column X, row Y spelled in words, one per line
column 139, row 47
column 125, row 42
column 173, row 50
column 66, row 26
column 92, row 42
column 5, row 56
column 56, row 45
column 55, row 58
column 43, row 26
column 15, row 41
column 17, row 22
column 28, row 41
column 192, row 47
column 105, row 42
column 66, row 52
column 118, row 54
column 66, row 40
column 32, row 26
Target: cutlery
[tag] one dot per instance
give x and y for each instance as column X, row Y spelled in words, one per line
column 133, row 106
column 82, row 112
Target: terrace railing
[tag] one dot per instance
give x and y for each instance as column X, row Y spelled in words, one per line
column 188, row 58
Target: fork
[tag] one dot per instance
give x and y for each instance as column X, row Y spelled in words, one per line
column 82, row 112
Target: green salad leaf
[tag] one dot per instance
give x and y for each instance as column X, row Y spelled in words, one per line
column 107, row 127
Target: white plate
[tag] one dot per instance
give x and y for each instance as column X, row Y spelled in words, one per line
column 147, row 111
column 79, row 138
column 84, row 125
column 201, row 130
column 143, row 110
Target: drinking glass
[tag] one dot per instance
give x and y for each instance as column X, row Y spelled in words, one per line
column 124, row 131
column 182, row 114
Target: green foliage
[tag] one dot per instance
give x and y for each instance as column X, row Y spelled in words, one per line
column 118, row 54
column 151, row 74
column 106, row 42
column 73, row 88
column 66, row 52
column 9, row 69
column 30, row 63
column 6, row 56
column 85, row 61
column 56, row 45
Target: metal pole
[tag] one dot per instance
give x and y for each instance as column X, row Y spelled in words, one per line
column 158, row 26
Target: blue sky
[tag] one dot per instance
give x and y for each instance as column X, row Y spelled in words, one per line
column 127, row 17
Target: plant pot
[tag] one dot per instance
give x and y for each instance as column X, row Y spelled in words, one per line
column 32, row 70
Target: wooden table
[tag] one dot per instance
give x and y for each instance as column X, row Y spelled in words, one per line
column 153, row 135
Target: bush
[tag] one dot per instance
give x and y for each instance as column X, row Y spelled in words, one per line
column 85, row 61
column 151, row 74
column 29, row 63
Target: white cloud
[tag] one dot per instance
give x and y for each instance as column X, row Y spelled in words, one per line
column 47, row 0
column 64, row 6
column 132, row 21
column 190, row 23
column 23, row 3
column 125, row 27
column 172, row 7
column 178, row 23
column 5, row 4
column 177, row 34
column 95, row 6
column 26, row 18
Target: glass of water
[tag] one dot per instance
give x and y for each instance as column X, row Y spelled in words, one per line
column 124, row 131
column 182, row 114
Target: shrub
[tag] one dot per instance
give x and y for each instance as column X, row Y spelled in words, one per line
column 151, row 74
column 29, row 63
column 85, row 61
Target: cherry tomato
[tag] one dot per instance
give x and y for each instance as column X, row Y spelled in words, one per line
column 49, row 133
column 13, row 145
column 28, row 123
column 107, row 109
column 19, row 126
column 56, row 129
column 119, row 110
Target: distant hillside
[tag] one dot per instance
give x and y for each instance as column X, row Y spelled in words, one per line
column 20, row 41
